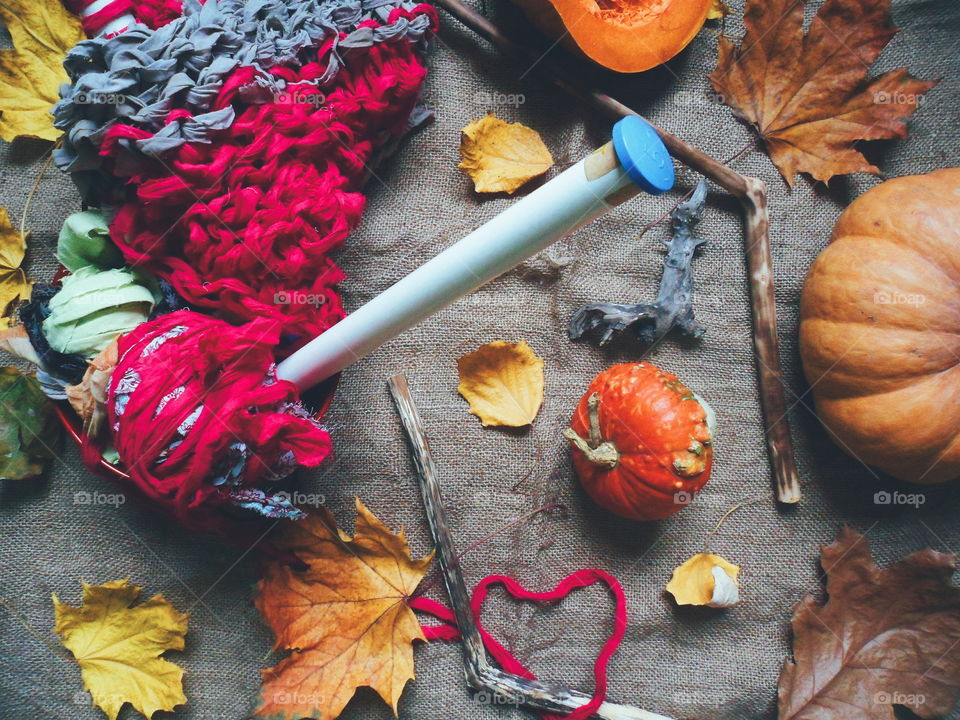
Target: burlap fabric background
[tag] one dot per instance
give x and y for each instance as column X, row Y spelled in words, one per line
column 702, row 664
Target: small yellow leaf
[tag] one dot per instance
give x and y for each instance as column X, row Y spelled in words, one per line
column 718, row 10
column 500, row 156
column 503, row 382
column 42, row 32
column 696, row 582
column 118, row 647
column 344, row 618
column 13, row 281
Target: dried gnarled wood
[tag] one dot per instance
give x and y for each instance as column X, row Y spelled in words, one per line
column 479, row 673
column 673, row 307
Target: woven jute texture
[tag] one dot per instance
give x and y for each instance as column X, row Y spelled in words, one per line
column 718, row 665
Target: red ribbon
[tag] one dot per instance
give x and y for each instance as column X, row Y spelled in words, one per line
column 503, row 657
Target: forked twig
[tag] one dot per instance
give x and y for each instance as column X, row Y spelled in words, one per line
column 480, row 675
column 753, row 197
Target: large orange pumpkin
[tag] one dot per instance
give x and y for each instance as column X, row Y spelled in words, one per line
column 880, row 328
column 641, row 442
column 623, row 35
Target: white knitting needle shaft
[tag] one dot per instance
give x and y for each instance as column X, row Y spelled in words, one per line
column 572, row 199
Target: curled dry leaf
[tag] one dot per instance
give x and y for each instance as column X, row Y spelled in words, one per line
column 14, row 285
column 808, row 95
column 118, row 647
column 89, row 397
column 344, row 619
column 15, row 341
column 503, row 382
column 42, row 32
column 500, row 156
column 705, row 579
column 883, row 637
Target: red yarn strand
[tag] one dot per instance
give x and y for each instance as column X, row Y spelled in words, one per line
column 503, row 657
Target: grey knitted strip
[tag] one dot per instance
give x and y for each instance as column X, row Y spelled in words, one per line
column 139, row 76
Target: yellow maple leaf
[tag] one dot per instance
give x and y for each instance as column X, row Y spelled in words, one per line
column 705, row 579
column 344, row 619
column 13, row 281
column 118, row 647
column 500, row 156
column 503, row 382
column 31, row 74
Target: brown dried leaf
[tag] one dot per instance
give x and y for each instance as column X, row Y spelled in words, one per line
column 500, row 156
column 883, row 637
column 503, row 382
column 345, row 619
column 808, row 95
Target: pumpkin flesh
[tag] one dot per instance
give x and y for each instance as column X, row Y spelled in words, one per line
column 623, row 35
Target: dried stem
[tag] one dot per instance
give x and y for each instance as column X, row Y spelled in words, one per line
column 33, row 191
column 752, row 194
column 480, row 675
column 723, row 519
column 55, row 649
column 425, row 586
column 596, row 450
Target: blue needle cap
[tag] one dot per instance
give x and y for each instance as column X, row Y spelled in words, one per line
column 643, row 155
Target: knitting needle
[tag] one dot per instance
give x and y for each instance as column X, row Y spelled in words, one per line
column 635, row 161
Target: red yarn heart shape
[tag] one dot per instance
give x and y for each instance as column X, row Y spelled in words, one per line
column 503, row 657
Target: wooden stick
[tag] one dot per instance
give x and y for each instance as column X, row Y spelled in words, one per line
column 480, row 675
column 752, row 194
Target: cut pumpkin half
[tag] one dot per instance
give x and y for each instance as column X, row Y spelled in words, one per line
column 624, row 35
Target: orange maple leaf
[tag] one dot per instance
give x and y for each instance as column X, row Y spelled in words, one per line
column 808, row 96
column 344, row 619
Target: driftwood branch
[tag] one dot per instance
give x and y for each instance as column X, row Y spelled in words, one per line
column 673, row 307
column 752, row 194
column 480, row 675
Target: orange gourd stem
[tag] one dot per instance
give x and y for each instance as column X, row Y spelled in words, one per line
column 597, row 450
